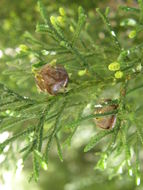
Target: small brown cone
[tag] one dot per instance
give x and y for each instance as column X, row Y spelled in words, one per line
column 52, row 79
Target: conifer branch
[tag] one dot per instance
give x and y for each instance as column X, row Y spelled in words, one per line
column 110, row 30
column 81, row 21
column 90, row 76
column 23, row 133
column 54, row 131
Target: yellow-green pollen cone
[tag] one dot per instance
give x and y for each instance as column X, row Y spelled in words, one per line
column 115, row 66
column 119, row 74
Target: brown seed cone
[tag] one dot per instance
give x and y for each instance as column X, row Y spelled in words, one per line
column 52, row 79
column 105, row 122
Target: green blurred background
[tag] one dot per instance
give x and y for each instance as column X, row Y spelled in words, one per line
column 76, row 172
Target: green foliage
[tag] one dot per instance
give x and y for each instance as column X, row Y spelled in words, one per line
column 96, row 139
column 43, row 119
